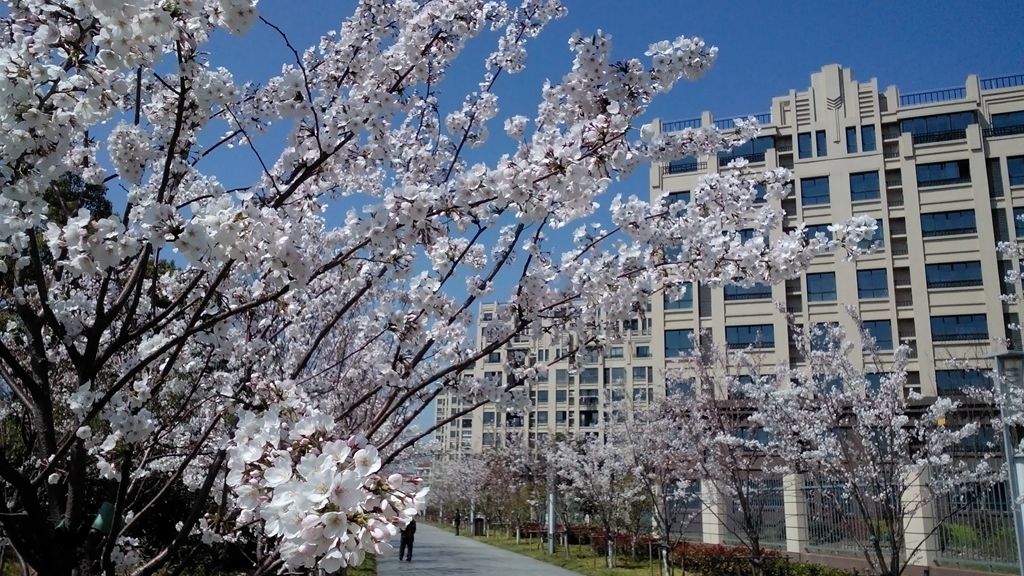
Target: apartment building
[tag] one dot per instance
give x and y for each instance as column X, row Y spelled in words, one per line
column 941, row 171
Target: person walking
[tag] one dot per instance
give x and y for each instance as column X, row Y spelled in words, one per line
column 405, row 546
column 458, row 521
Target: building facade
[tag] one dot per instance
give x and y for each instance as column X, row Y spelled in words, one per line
column 943, row 174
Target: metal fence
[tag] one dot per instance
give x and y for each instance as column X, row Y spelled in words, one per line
column 833, row 525
column 979, row 526
column 1000, row 82
column 932, row 96
column 768, row 508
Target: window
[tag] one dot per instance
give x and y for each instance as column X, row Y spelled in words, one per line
column 755, row 292
column 640, row 395
column 1015, row 168
column 543, row 355
column 684, row 303
column 487, row 439
column 542, row 396
column 820, row 143
column 561, row 416
column 851, row 140
column 488, row 418
column 760, row 193
column 874, row 381
column 614, row 376
column 803, row 141
column 948, row 223
column 821, row 287
column 643, row 374
column 959, row 327
column 864, row 186
column 752, row 150
column 679, row 387
column 953, row 274
column 615, row 352
column 822, row 336
column 812, row 231
column 867, row 138
column 588, row 376
column 643, row 352
column 755, row 335
column 881, row 331
column 542, row 375
column 814, row 190
column 562, row 377
column 678, row 343
column 1018, row 226
column 542, row 417
column 872, row 284
column 493, row 377
column 676, row 202
column 494, row 357
column 995, row 178
column 488, row 316
column 1006, row 124
column 938, row 127
column 941, row 173
column 876, row 241
column 950, row 382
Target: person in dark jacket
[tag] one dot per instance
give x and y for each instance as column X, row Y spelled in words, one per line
column 408, row 535
column 458, row 521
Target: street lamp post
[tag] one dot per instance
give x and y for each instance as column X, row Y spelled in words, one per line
column 551, row 509
column 1010, row 372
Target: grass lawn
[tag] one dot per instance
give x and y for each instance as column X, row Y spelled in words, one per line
column 581, row 558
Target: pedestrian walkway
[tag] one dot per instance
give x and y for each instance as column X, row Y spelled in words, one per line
column 440, row 553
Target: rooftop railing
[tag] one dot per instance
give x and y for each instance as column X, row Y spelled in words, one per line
column 932, row 96
column 724, row 124
column 678, row 125
column 1000, row 82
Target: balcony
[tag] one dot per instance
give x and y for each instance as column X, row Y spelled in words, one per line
column 932, row 96
column 684, row 168
column 753, row 158
column 960, row 337
column 949, row 232
column 945, row 181
column 955, row 283
column 943, row 136
column 1004, row 131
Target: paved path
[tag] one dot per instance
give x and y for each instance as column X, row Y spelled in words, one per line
column 440, row 553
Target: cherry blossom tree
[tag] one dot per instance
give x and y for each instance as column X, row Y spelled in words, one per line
column 885, row 454
column 737, row 468
column 247, row 352
column 598, row 480
column 664, row 463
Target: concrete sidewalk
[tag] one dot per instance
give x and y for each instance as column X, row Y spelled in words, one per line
column 440, row 553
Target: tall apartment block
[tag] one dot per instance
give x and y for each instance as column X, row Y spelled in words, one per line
column 941, row 171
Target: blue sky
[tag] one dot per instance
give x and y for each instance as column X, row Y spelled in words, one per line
column 766, row 49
